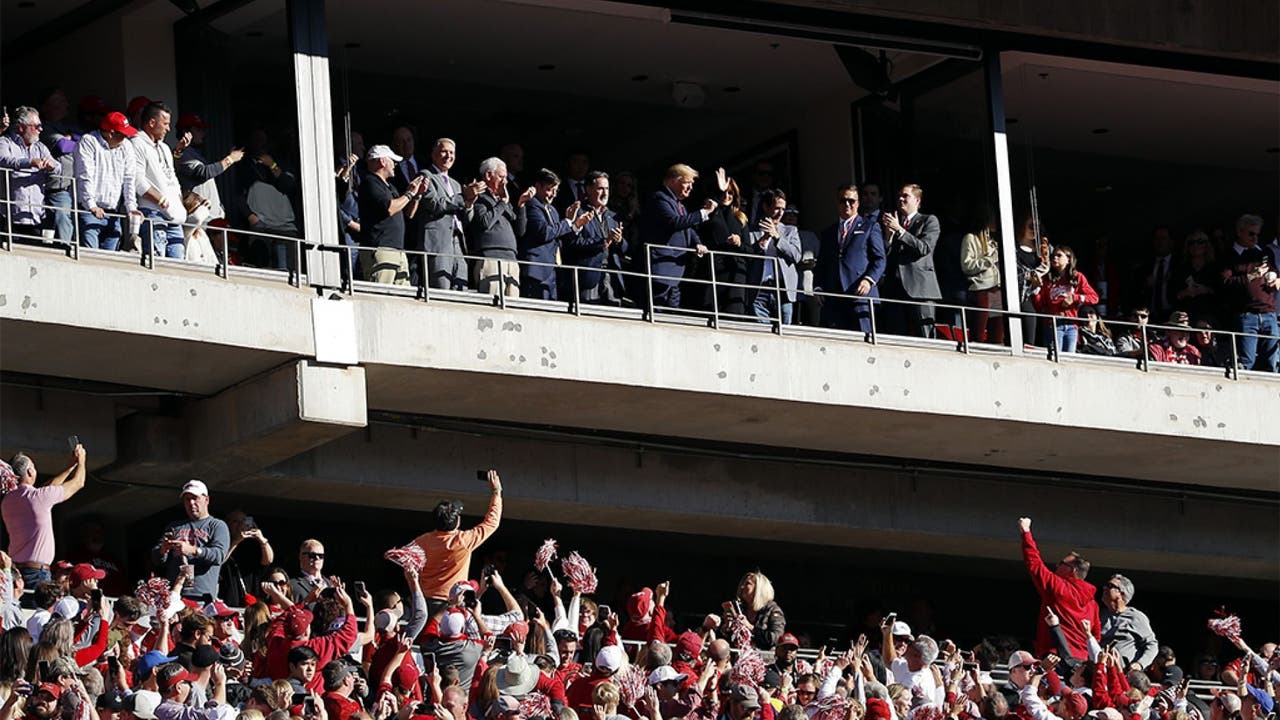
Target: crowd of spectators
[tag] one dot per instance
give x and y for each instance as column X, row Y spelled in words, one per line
column 578, row 236
column 317, row 647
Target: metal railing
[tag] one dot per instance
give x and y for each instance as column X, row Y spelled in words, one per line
column 644, row 304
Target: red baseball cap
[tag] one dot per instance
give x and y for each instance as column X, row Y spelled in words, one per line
column 117, row 122
column 191, row 120
column 53, row 689
column 85, row 571
column 296, row 620
column 517, row 631
column 787, row 639
column 179, row 677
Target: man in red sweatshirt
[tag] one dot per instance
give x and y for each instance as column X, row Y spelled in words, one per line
column 1065, row 591
column 293, row 628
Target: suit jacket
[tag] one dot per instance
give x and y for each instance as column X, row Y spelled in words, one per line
column 587, row 249
column 665, row 224
column 439, row 213
column 839, row 269
column 567, row 195
column 491, row 229
column 544, row 232
column 787, row 249
column 909, row 257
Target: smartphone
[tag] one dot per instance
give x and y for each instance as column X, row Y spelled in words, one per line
column 502, row 644
column 428, row 663
column 249, row 522
column 72, row 442
column 970, row 665
column 95, row 599
column 891, row 618
column 603, row 612
column 187, row 571
column 482, row 476
column 113, row 664
column 43, row 669
column 425, row 708
column 486, row 572
column 359, row 588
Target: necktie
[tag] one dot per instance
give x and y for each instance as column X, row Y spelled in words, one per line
column 679, row 208
column 844, row 232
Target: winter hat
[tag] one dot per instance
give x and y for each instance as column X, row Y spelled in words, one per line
column 296, row 621
column 689, row 644
column 1075, row 702
column 640, row 605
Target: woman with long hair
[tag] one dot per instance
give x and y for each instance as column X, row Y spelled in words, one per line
column 15, row 650
column 1095, row 336
column 726, row 230
column 1063, row 289
column 257, row 623
column 1196, row 277
column 754, row 599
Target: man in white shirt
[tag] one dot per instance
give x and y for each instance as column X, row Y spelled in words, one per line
column 157, row 186
column 910, row 659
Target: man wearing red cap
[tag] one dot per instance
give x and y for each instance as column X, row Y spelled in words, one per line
column 293, row 629
column 684, row 661
column 195, row 173
column 42, row 704
column 784, row 654
column 105, row 170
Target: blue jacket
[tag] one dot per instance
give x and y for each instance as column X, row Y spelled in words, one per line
column 663, row 224
column 586, row 249
column 544, row 231
column 839, row 269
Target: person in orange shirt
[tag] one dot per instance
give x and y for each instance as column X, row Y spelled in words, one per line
column 448, row 548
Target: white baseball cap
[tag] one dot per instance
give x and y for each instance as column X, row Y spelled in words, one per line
column 195, row 487
column 610, row 658
column 901, row 629
column 665, row 673
column 377, row 152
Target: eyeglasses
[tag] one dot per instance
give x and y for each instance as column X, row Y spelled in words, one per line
column 1113, row 586
column 847, row 201
column 315, row 555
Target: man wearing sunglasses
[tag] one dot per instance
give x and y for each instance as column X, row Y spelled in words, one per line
column 1064, row 590
column 29, row 163
column 1126, row 626
column 310, row 566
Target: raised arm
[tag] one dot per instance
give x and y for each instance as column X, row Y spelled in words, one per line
column 72, row 479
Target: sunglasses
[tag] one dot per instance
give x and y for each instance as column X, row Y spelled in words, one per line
column 1113, row 586
column 315, row 555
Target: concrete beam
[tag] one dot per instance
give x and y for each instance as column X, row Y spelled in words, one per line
column 965, row 515
column 236, row 433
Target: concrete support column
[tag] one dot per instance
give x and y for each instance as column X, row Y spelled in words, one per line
column 309, row 38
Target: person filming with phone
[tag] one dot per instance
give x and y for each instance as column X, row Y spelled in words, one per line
column 448, row 548
column 27, row 512
column 194, row 547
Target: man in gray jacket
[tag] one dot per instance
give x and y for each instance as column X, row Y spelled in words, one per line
column 445, row 209
column 773, row 239
column 1125, row 626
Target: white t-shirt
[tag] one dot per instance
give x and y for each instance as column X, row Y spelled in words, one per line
column 921, row 681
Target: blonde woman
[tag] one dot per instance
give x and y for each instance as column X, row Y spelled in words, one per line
column 754, row 600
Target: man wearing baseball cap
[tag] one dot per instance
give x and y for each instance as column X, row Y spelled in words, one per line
column 175, row 687
column 195, row 173
column 784, row 653
column 198, row 543
column 105, row 169
column 43, row 703
column 382, row 218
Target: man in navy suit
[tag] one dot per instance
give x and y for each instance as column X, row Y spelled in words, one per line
column 600, row 245
column 544, row 233
column 910, row 239
column 851, row 261
column 669, row 227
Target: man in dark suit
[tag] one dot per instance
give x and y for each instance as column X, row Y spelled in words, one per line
column 910, row 238
column 772, row 239
column 403, row 144
column 669, row 228
column 851, row 261
column 544, row 234
column 491, row 232
column 443, row 213
column 600, row 245
column 574, row 188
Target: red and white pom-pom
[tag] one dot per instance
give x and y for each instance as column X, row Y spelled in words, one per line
column 1227, row 627
column 831, row 707
column 411, row 557
column 153, row 594
column 803, row 667
column 749, row 669
column 822, row 666
column 631, row 684
column 8, row 478
column 926, row 712
column 579, row 573
column 739, row 632
column 545, row 555
column 536, row 705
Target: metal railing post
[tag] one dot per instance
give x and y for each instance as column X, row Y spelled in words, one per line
column 777, row 291
column 425, row 275
column 1053, row 338
column 871, row 316
column 648, row 278
column 1233, row 372
column 502, row 281
column 295, row 276
column 224, row 260
column 964, row 331
column 350, row 254
column 576, row 300
column 1143, row 364
column 715, row 294
column 75, row 220
column 8, row 213
column 148, row 241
